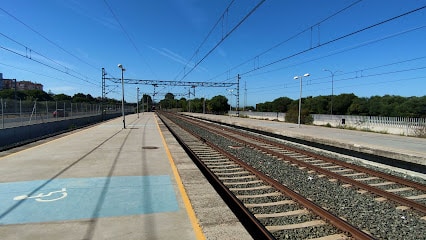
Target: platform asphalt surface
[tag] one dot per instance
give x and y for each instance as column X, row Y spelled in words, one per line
column 103, row 182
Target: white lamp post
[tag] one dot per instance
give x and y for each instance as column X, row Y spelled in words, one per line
column 137, row 102
column 122, row 93
column 300, row 96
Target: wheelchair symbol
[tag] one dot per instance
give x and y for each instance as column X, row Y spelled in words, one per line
column 39, row 198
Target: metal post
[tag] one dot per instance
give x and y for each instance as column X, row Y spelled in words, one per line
column 300, row 102
column 237, row 99
column 300, row 96
column 20, row 112
column 332, row 88
column 143, row 105
column 137, row 101
column 47, row 111
column 122, row 92
column 204, row 105
column 2, row 113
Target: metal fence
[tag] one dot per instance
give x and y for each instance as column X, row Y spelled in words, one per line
column 16, row 113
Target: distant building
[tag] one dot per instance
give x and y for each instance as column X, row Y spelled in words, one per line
column 20, row 85
column 27, row 85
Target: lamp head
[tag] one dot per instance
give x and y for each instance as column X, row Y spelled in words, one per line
column 306, row 75
column 120, row 66
column 296, row 77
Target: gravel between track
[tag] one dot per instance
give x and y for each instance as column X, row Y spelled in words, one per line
column 380, row 219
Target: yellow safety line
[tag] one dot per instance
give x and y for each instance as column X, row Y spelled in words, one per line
column 194, row 221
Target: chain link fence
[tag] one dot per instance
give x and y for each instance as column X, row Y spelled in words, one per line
column 15, row 113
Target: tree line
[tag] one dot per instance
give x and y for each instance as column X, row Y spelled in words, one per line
column 39, row 95
column 350, row 104
column 343, row 104
column 217, row 105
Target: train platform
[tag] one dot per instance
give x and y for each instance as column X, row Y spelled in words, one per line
column 403, row 148
column 106, row 182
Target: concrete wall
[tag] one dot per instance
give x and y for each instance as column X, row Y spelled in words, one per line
column 391, row 125
column 10, row 137
column 273, row 116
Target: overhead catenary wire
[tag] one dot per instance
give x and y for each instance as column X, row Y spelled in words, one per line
column 316, row 82
column 47, row 39
column 47, row 65
column 363, row 44
column 206, row 38
column 223, row 38
column 128, row 37
column 334, row 40
column 290, row 38
column 26, row 70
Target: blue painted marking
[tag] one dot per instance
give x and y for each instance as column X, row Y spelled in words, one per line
column 85, row 198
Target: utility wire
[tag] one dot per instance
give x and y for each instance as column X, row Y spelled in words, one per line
column 223, row 38
column 128, row 37
column 40, row 74
column 47, row 65
column 205, row 39
column 47, row 39
column 362, row 75
column 288, row 39
column 335, row 40
column 343, row 50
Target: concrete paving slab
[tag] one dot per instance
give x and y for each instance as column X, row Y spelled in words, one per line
column 102, row 182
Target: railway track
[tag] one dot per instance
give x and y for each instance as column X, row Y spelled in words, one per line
column 408, row 193
column 290, row 193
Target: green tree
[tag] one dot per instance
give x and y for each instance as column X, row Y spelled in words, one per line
column 281, row 104
column 292, row 115
column 359, row 106
column 318, row 105
column 62, row 97
column 37, row 94
column 342, row 102
column 196, row 105
column 264, row 107
column 146, row 101
column 81, row 97
column 374, row 106
column 168, row 102
column 183, row 104
column 219, row 104
column 169, row 96
column 7, row 94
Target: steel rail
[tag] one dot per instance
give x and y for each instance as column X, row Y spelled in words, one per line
column 358, row 168
column 331, row 218
column 407, row 202
column 355, row 167
column 251, row 222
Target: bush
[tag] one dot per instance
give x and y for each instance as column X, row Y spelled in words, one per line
column 292, row 116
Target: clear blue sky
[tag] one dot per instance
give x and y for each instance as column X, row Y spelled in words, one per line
column 279, row 40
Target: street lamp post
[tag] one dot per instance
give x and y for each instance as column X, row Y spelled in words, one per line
column 300, row 96
column 122, row 93
column 137, row 102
